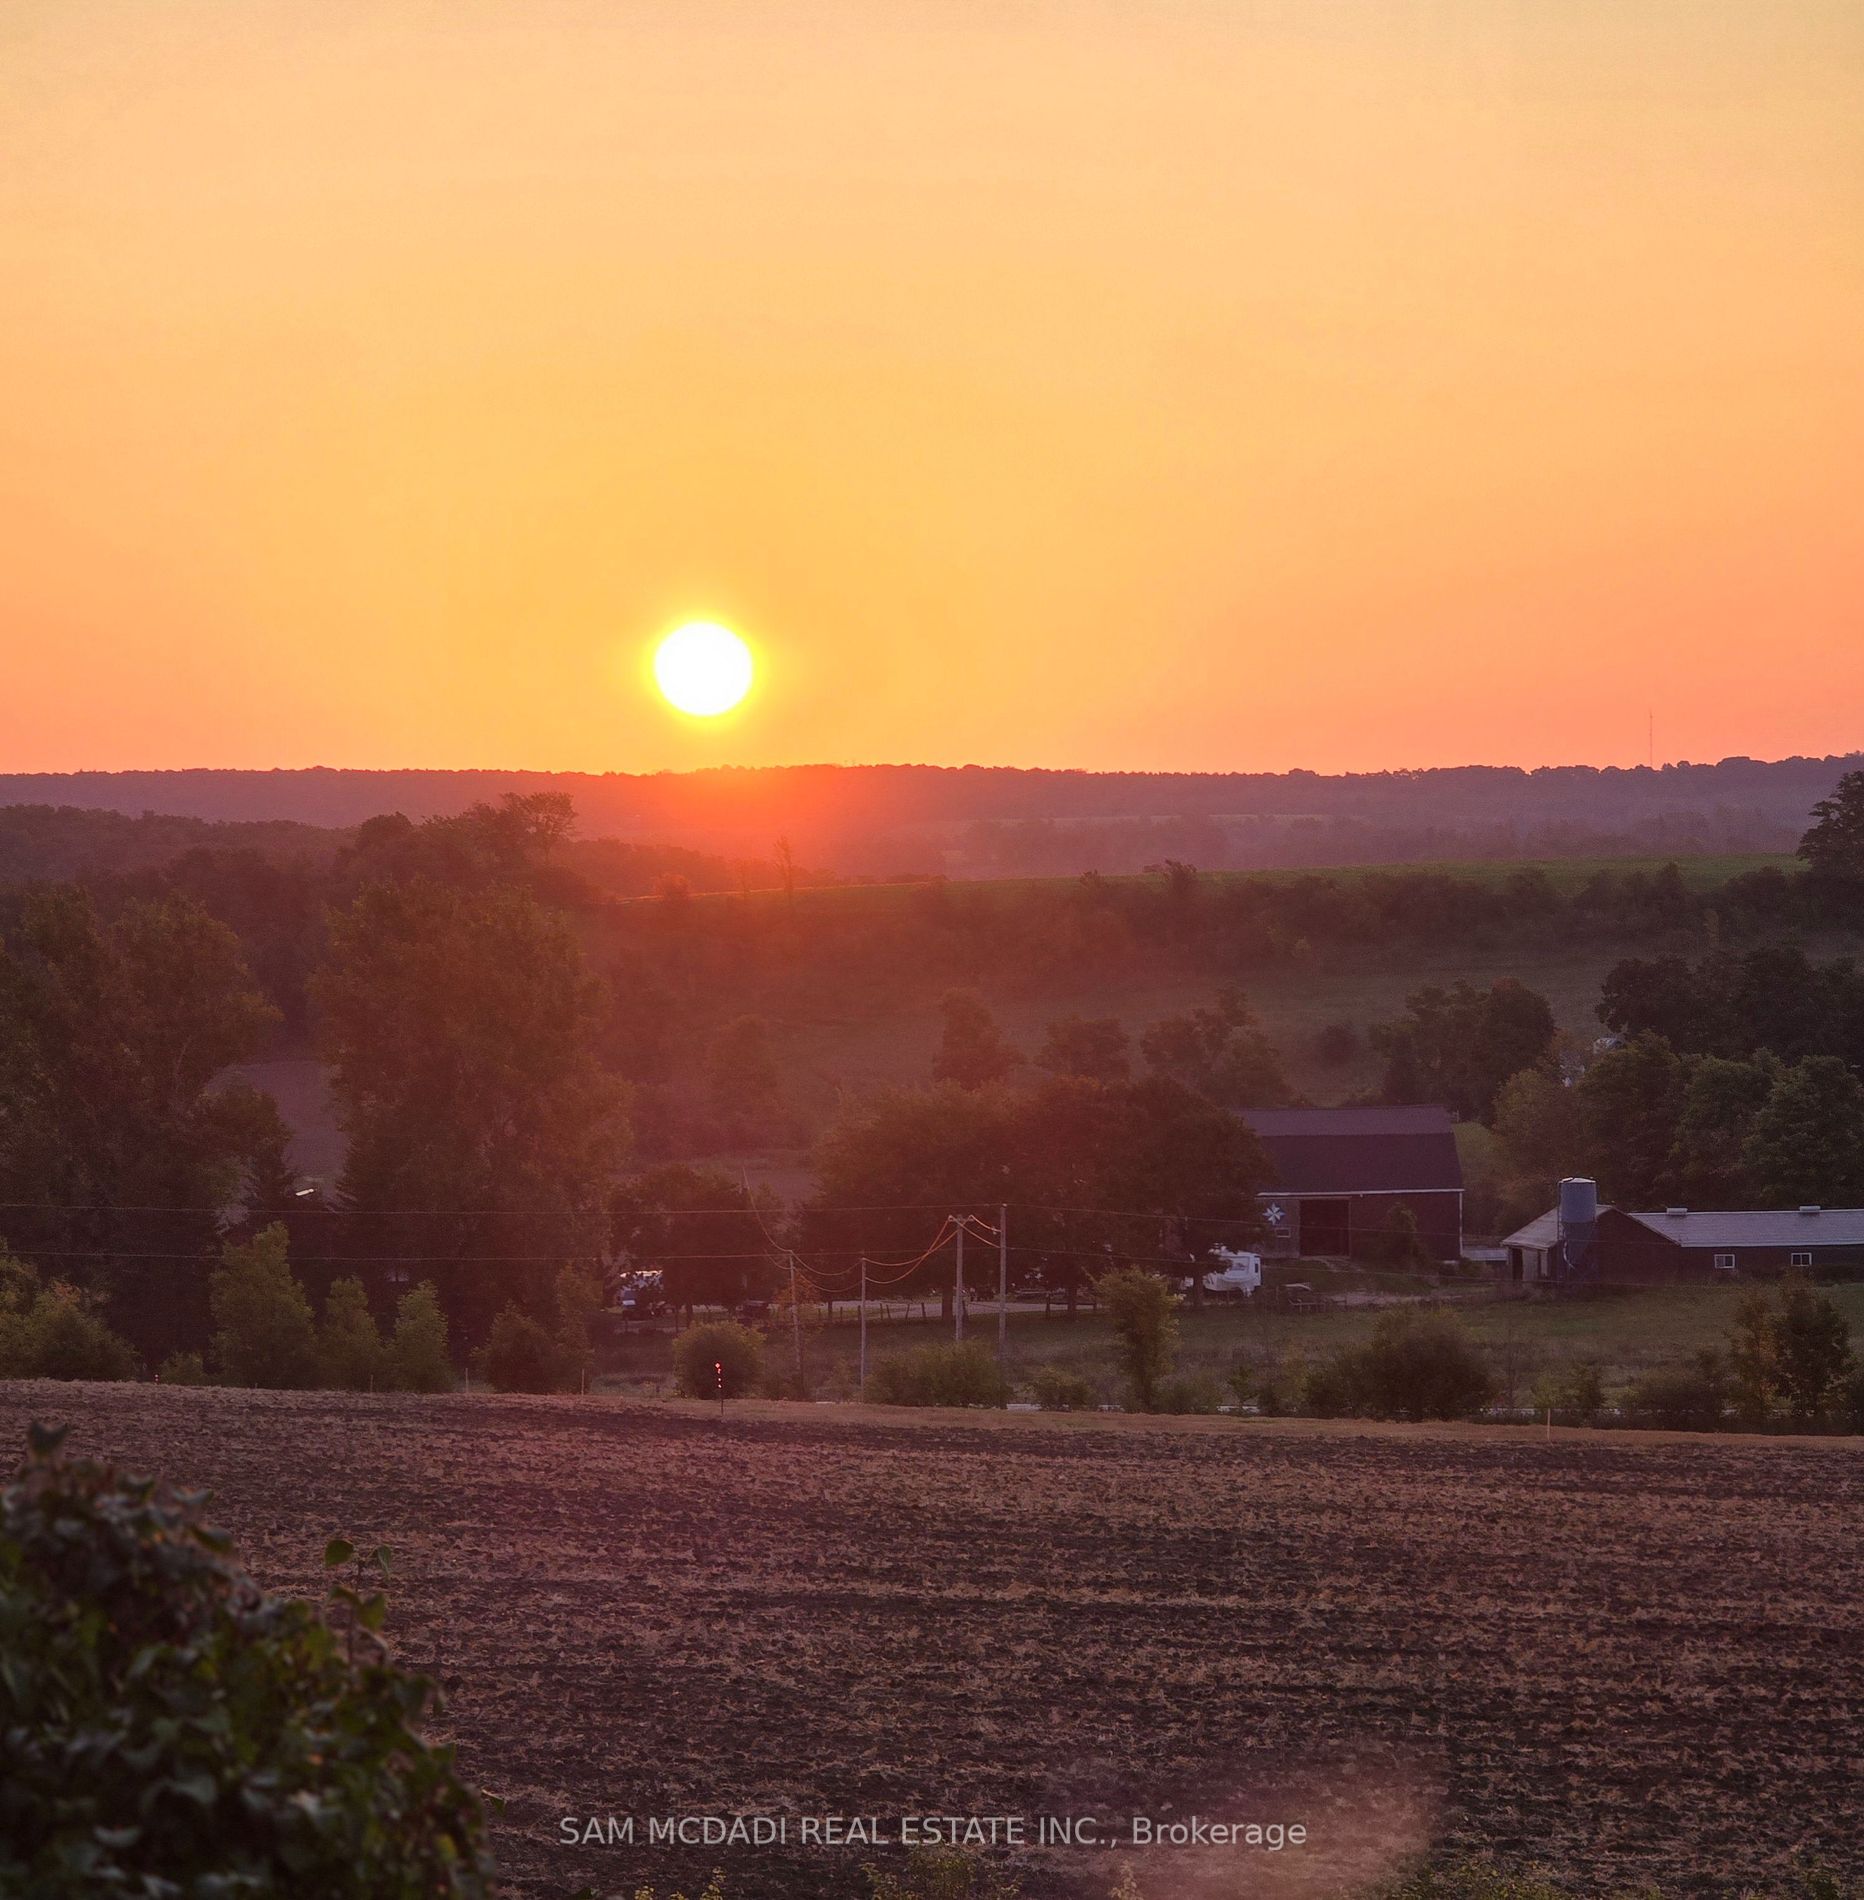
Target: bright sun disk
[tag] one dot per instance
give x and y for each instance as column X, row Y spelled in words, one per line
column 703, row 669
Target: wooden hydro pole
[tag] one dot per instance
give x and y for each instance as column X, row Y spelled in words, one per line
column 957, row 1297
column 1003, row 1288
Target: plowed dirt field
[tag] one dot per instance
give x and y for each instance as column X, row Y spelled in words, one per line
column 1629, row 1659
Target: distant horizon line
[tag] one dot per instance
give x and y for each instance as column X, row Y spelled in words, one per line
column 903, row 765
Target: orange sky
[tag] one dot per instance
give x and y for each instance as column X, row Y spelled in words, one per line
column 1123, row 383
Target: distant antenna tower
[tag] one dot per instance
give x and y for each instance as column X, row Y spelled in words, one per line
column 1650, row 736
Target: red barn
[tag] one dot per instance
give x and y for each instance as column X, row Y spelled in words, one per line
column 1341, row 1173
column 1661, row 1246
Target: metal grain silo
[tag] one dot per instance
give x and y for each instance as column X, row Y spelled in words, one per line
column 1579, row 1228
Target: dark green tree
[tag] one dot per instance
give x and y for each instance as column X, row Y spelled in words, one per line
column 701, row 1354
column 522, row 1354
column 1180, row 1156
column 1459, row 1046
column 264, row 1331
column 1806, row 1142
column 1833, row 846
column 1791, row 1354
column 1721, row 1098
column 1537, row 1124
column 1143, row 1311
column 418, row 1359
column 460, row 1028
column 1668, row 997
column 1629, row 1101
column 1401, row 1245
column 510, row 843
column 1812, row 1357
column 1148, row 1170
column 1219, row 1052
column 743, row 1083
column 118, row 1128
column 1751, row 1382
column 1096, row 1048
column 53, row 1331
column 709, row 1236
column 971, row 1051
column 892, row 1168
column 350, row 1353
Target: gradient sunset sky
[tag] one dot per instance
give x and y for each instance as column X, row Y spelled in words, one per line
column 1130, row 383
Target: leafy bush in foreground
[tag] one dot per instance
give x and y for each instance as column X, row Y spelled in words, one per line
column 719, row 1343
column 958, row 1374
column 166, row 1727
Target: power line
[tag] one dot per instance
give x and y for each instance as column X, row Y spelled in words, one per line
column 410, row 1259
column 979, row 1226
column 308, row 1206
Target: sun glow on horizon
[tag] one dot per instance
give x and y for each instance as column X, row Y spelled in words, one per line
column 703, row 669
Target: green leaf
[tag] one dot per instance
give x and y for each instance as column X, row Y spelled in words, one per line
column 196, row 1788
column 339, row 1550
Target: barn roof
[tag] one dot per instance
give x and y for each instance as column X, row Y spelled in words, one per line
column 1691, row 1227
column 1541, row 1232
column 1359, row 1150
column 1766, row 1227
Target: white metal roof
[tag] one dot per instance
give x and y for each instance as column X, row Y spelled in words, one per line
column 1541, row 1232
column 1766, row 1227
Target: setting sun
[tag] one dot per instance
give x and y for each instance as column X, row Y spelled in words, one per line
column 703, row 669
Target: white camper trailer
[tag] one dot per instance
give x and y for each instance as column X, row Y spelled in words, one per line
column 1238, row 1274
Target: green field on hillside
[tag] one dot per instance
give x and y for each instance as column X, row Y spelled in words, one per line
column 1295, row 1002
column 831, row 1045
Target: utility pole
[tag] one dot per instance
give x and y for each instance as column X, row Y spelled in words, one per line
column 796, row 1326
column 957, row 1295
column 864, row 1322
column 1003, row 1289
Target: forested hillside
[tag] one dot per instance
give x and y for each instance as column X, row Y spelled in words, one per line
column 973, row 821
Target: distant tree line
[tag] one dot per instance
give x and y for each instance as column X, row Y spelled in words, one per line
column 887, row 819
